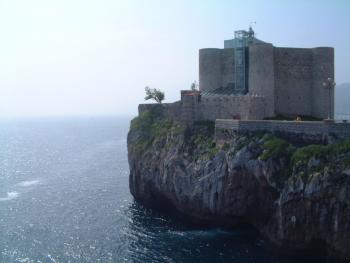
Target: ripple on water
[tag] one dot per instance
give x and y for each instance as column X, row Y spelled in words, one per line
column 28, row 183
column 10, row 196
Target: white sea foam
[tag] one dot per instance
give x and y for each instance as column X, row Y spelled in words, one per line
column 28, row 183
column 52, row 259
column 10, row 196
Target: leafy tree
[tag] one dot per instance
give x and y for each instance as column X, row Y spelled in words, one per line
column 154, row 94
column 194, row 86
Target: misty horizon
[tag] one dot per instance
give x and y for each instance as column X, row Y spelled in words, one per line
column 95, row 58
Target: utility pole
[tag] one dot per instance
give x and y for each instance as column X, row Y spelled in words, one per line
column 329, row 84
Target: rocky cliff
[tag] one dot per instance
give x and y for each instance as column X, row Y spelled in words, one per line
column 297, row 196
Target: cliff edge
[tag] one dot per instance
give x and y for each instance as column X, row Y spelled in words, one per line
column 297, row 196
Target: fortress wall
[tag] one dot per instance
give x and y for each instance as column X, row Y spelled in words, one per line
column 284, row 126
column 171, row 111
column 228, row 67
column 231, row 107
column 194, row 107
column 257, row 107
column 190, row 111
column 323, row 68
column 228, row 107
column 314, row 132
column 210, row 69
column 293, row 81
column 261, row 74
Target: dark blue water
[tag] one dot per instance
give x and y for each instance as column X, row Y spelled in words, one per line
column 64, row 197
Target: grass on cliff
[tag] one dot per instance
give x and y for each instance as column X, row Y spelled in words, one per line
column 205, row 146
column 275, row 147
column 151, row 127
column 203, row 140
column 296, row 158
column 304, row 154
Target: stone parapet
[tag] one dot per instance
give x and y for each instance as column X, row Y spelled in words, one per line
column 305, row 131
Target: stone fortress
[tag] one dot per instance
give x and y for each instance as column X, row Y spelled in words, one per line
column 250, row 81
column 256, row 80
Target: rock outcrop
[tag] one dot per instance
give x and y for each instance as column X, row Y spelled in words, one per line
column 298, row 197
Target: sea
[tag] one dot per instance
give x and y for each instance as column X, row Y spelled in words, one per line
column 64, row 197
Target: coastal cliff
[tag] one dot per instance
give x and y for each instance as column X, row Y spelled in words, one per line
column 296, row 195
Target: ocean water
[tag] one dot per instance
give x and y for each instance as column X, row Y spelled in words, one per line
column 64, row 197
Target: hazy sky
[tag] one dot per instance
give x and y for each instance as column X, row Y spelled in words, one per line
column 61, row 57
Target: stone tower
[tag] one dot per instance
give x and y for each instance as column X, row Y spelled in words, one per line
column 289, row 79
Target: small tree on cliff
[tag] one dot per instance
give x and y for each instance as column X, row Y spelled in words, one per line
column 154, row 94
column 194, row 86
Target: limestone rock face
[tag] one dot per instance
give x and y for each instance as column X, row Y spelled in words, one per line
column 295, row 206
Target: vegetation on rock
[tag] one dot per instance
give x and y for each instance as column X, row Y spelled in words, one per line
column 154, row 94
column 148, row 128
column 152, row 130
column 202, row 140
column 304, row 154
column 276, row 148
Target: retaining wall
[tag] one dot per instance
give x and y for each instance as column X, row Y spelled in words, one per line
column 171, row 111
column 305, row 131
column 229, row 107
column 194, row 107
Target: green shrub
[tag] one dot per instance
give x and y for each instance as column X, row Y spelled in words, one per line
column 203, row 141
column 226, row 146
column 275, row 147
column 212, row 152
column 205, row 127
column 149, row 127
column 143, row 121
column 305, row 153
column 340, row 148
column 318, row 151
column 241, row 144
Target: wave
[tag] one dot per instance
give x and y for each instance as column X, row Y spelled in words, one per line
column 10, row 196
column 28, row 183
